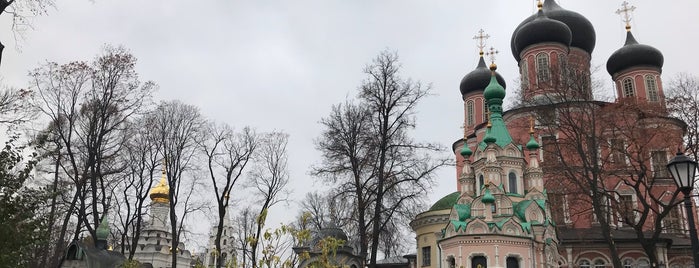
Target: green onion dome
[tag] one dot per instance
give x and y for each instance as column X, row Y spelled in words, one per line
column 466, row 151
column 532, row 144
column 494, row 90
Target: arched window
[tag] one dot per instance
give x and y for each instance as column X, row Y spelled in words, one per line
column 512, row 179
column 628, row 88
column 652, row 88
column 542, row 67
column 480, row 181
column 524, row 73
column 627, row 263
column 224, row 242
column 512, row 262
column 469, row 112
column 643, row 263
column 600, row 264
column 584, row 264
column 479, row 261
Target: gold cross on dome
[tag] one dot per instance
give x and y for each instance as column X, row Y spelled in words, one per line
column 626, row 10
column 491, row 54
column 481, row 37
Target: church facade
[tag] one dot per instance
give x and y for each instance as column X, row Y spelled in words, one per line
column 538, row 185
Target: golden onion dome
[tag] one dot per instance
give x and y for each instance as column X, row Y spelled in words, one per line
column 161, row 192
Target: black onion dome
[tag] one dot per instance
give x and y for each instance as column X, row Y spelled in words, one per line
column 634, row 54
column 542, row 30
column 583, row 32
column 478, row 79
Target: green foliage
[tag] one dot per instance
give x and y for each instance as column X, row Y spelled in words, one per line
column 22, row 225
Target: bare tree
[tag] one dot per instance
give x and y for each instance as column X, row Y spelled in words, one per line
column 347, row 161
column 88, row 106
column 227, row 154
column 599, row 155
column 178, row 128
column 142, row 159
column 244, row 224
column 268, row 178
column 683, row 103
column 367, row 150
column 22, row 12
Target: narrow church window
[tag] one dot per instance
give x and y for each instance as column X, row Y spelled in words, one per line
column 224, row 242
column 558, row 206
column 542, row 67
column 671, row 222
column 469, row 112
column 513, row 182
column 626, row 208
column 659, row 164
column 493, row 208
column 525, row 75
column 549, row 150
column 617, row 150
column 480, row 183
column 485, row 110
column 628, row 88
column 426, row 260
column 652, row 88
column 562, row 71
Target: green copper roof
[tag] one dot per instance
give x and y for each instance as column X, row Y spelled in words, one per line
column 102, row 231
column 494, row 90
column 446, row 202
column 532, row 144
column 520, row 209
column 488, row 197
column 464, row 211
column 459, row 225
column 497, row 132
column 465, row 151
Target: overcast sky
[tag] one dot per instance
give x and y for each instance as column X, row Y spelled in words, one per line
column 280, row 65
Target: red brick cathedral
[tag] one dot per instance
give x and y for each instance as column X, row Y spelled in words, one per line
column 562, row 179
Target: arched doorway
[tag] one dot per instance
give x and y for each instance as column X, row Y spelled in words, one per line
column 479, row 262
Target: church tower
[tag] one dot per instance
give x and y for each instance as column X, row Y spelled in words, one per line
column 636, row 68
column 154, row 243
column 502, row 217
column 553, row 48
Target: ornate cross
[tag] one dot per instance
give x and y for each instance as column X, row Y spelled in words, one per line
column 481, row 37
column 626, row 10
column 491, row 54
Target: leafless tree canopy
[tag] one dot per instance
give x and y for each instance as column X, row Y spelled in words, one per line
column 228, row 154
column 368, row 154
column 88, row 106
column 596, row 152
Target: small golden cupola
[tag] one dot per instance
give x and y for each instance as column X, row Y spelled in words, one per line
column 160, row 193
